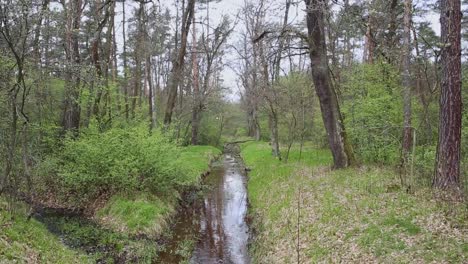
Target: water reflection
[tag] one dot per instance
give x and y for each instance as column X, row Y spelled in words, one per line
column 223, row 230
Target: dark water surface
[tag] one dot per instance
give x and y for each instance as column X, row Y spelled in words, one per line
column 218, row 221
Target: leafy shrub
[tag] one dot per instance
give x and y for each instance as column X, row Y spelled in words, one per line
column 373, row 112
column 119, row 160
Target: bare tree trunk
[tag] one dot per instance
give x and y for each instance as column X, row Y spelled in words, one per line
column 343, row 155
column 406, row 77
column 136, row 94
column 71, row 106
column 178, row 63
column 37, row 33
column 369, row 40
column 447, row 169
column 392, row 31
column 270, row 97
column 422, row 92
column 273, row 122
column 196, row 89
column 125, row 69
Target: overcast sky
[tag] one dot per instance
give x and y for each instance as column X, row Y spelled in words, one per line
column 232, row 8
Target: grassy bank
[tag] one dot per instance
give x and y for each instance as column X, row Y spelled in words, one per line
column 29, row 241
column 148, row 214
column 123, row 228
column 358, row 215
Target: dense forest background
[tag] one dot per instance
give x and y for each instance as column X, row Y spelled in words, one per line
column 98, row 97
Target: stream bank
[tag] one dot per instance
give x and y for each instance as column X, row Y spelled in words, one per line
column 214, row 228
column 130, row 227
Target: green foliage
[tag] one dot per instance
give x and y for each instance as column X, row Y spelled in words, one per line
column 299, row 110
column 372, row 108
column 119, row 160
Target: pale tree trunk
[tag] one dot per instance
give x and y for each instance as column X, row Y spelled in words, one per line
column 406, row 78
column 447, row 169
column 151, row 94
column 342, row 152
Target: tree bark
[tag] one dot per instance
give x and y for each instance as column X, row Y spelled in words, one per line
column 341, row 149
column 178, row 64
column 447, row 168
column 406, row 78
column 369, row 39
column 136, row 94
column 196, row 89
column 391, row 36
column 71, row 106
column 125, row 69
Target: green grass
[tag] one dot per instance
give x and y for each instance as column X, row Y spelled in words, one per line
column 147, row 214
column 29, row 241
column 357, row 215
column 195, row 160
column 137, row 214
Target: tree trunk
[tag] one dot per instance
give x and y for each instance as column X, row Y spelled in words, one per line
column 196, row 89
column 391, row 39
column 125, row 69
column 369, row 39
column 178, row 64
column 422, row 92
column 447, row 169
column 151, row 94
column 406, row 77
column 273, row 122
column 136, row 94
column 341, row 149
column 71, row 106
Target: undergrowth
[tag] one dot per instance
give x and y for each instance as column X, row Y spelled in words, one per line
column 357, row 215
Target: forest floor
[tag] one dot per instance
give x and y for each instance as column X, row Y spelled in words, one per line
column 125, row 228
column 304, row 211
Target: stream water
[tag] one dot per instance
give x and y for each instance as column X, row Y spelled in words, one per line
column 217, row 222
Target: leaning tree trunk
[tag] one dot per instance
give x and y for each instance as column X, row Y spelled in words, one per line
column 175, row 77
column 341, row 149
column 447, row 169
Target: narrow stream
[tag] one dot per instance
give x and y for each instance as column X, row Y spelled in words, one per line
column 217, row 222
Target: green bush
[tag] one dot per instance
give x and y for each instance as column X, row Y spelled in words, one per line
column 119, row 160
column 373, row 112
